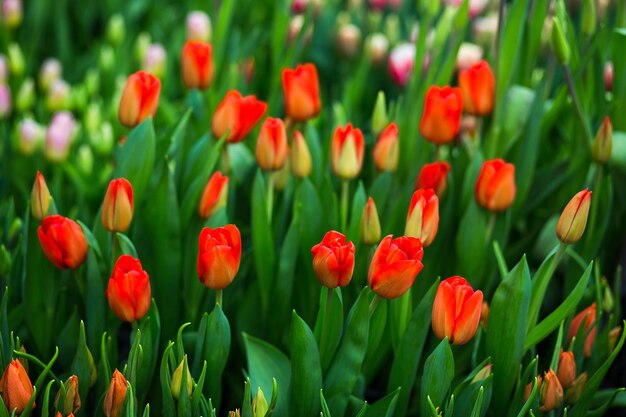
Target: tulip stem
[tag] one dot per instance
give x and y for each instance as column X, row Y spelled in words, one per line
column 326, row 320
column 577, row 106
column 270, row 195
column 218, row 297
column 373, row 304
column 79, row 283
column 345, row 191
column 490, row 226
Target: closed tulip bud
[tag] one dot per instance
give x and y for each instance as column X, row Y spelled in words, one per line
column 70, row 403
column 116, row 29
column 478, row 86
column 5, row 101
column 586, row 318
column 198, row 26
column 197, row 64
column 613, row 337
column 386, row 151
column 484, row 314
column 140, row 98
column 422, row 220
column 58, row 97
column 16, row 387
column 566, row 369
column 40, row 197
column 376, row 46
column 142, row 43
column 395, row 265
column 296, row 23
column 62, row 241
column 589, row 17
column 401, row 62
column 441, row 117
column 102, row 140
column 434, row 176
column 346, row 152
column 106, row 58
column 177, row 379
column 129, row 290
column 84, row 159
column 348, row 40
column 302, row 92
column 333, row 260
column 469, row 55
column 608, row 301
column 495, row 186
column 59, row 136
column 608, row 76
column 456, row 310
column 25, row 99
column 259, row 404
column 118, row 205
column 573, row 220
column 603, row 142
column 551, row 392
column 50, row 71
column 155, row 60
column 114, row 397
column 12, row 13
column 484, row 29
column 214, row 196
column 30, row 136
column 370, row 224
column 529, row 387
column 219, row 256
column 235, row 413
column 300, row 157
column 16, row 59
column 271, row 146
column 379, row 115
column 236, row 116
column 483, row 374
column 576, row 389
column 558, row 41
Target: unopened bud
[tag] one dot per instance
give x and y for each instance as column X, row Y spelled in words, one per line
column 469, row 54
column 12, row 13
column 84, row 159
column 401, row 63
column 16, row 59
column 376, row 47
column 70, row 403
column 348, row 40
column 484, row 29
column 551, row 392
column 4, row 69
column 155, row 59
column 589, row 18
column 40, row 197
column 259, row 404
column 300, row 157
column 614, row 336
column 116, row 29
column 608, row 76
column 567, row 369
column 59, row 136
column 608, row 302
column 114, row 398
column 559, row 43
column 379, row 115
column 107, row 58
column 483, row 373
column 25, row 99
column 177, row 379
column 576, row 389
column 30, row 136
column 58, row 96
column 142, row 44
column 603, row 142
column 573, row 220
column 50, row 71
column 198, row 26
column 484, row 314
column 370, row 224
column 392, row 28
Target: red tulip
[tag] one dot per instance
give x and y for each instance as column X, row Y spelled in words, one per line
column 333, row 260
column 395, row 265
column 456, row 310
column 219, row 256
column 302, row 95
column 573, row 220
column 128, row 291
column 422, row 220
column 346, row 152
column 214, row 195
column 118, row 205
column 62, row 241
column 495, row 187
column 114, row 398
column 236, row 116
column 478, row 86
column 271, row 146
column 588, row 315
column 140, row 98
column 441, row 117
column 197, row 64
column 434, row 176
column 386, row 150
column 16, row 387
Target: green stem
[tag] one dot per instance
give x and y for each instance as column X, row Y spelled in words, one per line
column 577, row 106
column 345, row 191
column 270, row 195
column 373, row 304
column 490, row 226
column 218, row 297
column 326, row 320
column 115, row 249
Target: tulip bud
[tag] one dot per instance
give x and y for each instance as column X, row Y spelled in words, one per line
column 49, row 72
column 129, row 289
column 30, row 136
column 177, row 379
column 106, row 58
column 370, row 224
column 58, row 97
column 214, row 196
column 219, row 256
column 386, row 151
column 116, row 29
column 118, row 206
column 348, row 40
column 62, row 241
column 441, row 117
column 495, row 187
column 296, row 23
column 142, row 43
column 576, row 389
column 608, row 76
column 5, row 101
column 551, row 392
column 4, row 69
column 333, row 260
column 484, row 29
column 469, row 55
column 235, row 413
column 16, row 387
column 483, row 374
column 478, row 86
column 102, row 140
column 155, row 60
column 301, row 92
column 114, row 398
column 376, row 46
column 12, row 13
column 614, row 336
column 484, row 314
column 198, row 26
column 558, row 41
column 456, row 310
column 395, row 266
column 40, row 197
column 70, row 403
column 25, row 99
column 379, row 115
column 401, row 63
column 566, row 369
column 59, row 136
column 589, row 317
column 434, row 176
column 300, row 157
column 197, row 64
column 573, row 220
column 16, row 59
column 346, row 152
column 603, row 142
column 84, row 159
column 139, row 99
column 236, row 116
column 259, row 404
column 271, row 146
column 589, row 18
column 422, row 220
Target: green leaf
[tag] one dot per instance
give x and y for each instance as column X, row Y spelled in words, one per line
column 472, row 234
column 306, row 370
column 386, row 406
column 329, row 324
column 246, row 407
column 166, row 378
column 505, row 338
column 81, row 366
column 358, row 202
column 437, row 376
column 126, row 245
column 325, row 411
column 540, row 282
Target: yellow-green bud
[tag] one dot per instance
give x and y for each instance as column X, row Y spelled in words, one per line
column 589, row 17
column 603, row 143
column 177, row 379
column 25, row 96
column 16, row 59
column 370, row 224
column 116, row 29
column 259, row 404
column 559, row 43
column 379, row 116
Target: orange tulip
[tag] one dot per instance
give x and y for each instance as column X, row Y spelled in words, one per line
column 346, row 152
column 300, row 156
column 441, row 117
column 589, row 317
column 456, row 310
column 197, row 64
column 62, row 241
column 140, row 98
column 495, row 187
column 118, row 206
column 386, row 150
column 71, row 401
column 333, row 260
column 567, row 369
column 395, row 265
column 422, row 220
column 271, row 146
column 219, row 256
column 40, row 197
column 128, row 291
column 478, row 86
column 302, row 92
column 573, row 220
column 114, row 398
column 551, row 392
column 16, row 387
column 214, row 195
column 434, row 176
column 236, row 116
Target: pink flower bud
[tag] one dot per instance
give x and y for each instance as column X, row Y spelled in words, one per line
column 50, row 71
column 59, row 136
column 401, row 61
column 469, row 54
column 30, row 135
column 58, row 96
column 377, row 46
column 608, row 76
column 198, row 26
column 12, row 13
column 155, row 59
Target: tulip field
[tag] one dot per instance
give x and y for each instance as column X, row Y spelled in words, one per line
column 346, row 208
